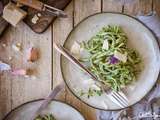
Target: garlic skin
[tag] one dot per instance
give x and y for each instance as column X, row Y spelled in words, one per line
column 17, row 47
column 19, row 72
column 4, row 66
column 35, row 19
column 32, row 54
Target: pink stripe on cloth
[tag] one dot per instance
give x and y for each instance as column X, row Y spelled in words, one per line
column 143, row 108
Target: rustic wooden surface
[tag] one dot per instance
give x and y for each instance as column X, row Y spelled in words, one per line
column 17, row 90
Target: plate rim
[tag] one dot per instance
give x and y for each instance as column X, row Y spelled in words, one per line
column 37, row 100
column 119, row 13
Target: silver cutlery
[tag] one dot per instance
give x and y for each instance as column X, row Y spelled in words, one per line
column 117, row 97
column 40, row 6
column 47, row 100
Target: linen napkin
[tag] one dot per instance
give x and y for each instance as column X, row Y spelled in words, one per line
column 142, row 110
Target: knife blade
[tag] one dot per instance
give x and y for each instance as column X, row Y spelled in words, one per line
column 47, row 100
column 40, row 6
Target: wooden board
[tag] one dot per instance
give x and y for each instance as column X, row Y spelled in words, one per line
column 82, row 10
column 20, row 89
column 139, row 7
column 41, row 85
column 5, row 82
column 112, row 6
column 17, row 90
column 46, row 19
column 61, row 28
column 156, row 6
column 4, row 26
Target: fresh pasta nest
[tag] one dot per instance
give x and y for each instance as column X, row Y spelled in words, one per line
column 113, row 63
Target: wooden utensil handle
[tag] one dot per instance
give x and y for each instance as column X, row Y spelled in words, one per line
column 33, row 4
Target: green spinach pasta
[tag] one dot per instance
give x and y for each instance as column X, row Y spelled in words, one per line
column 113, row 63
column 45, row 117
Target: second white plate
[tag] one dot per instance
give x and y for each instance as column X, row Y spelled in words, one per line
column 60, row 110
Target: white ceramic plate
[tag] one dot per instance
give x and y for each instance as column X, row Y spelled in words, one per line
column 140, row 38
column 60, row 110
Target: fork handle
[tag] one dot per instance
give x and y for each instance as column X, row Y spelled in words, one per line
column 66, row 54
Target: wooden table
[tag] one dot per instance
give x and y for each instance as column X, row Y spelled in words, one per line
column 17, row 90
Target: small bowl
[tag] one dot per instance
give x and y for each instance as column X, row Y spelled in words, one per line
column 139, row 37
column 60, row 110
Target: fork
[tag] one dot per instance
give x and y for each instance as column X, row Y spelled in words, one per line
column 117, row 97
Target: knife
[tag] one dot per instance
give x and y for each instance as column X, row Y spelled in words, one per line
column 66, row 53
column 47, row 100
column 40, row 6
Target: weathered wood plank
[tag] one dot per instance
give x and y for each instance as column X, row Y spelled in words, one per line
column 5, row 81
column 61, row 29
column 5, row 95
column 15, row 90
column 82, row 9
column 112, row 5
column 139, row 7
column 156, row 6
column 38, row 86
